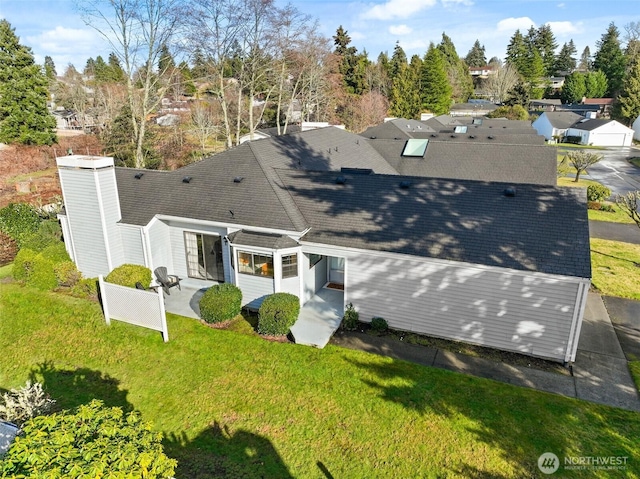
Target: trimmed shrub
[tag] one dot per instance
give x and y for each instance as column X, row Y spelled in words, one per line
column 350, row 318
column 22, row 264
column 86, row 288
column 594, row 205
column 379, row 324
column 41, row 275
column 19, row 220
column 56, row 253
column 67, row 273
column 598, row 192
column 129, row 275
column 278, row 312
column 221, row 302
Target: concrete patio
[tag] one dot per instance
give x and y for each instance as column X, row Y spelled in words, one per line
column 319, row 318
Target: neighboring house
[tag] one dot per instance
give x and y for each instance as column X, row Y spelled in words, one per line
column 600, row 132
column 472, row 109
column 496, row 264
column 482, row 72
column 554, row 124
column 603, row 104
column 636, row 129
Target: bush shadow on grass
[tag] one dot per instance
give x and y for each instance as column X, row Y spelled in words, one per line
column 506, row 418
column 218, row 452
column 73, row 387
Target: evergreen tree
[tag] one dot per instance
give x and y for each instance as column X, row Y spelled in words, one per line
column 116, row 73
column 384, row 63
column 574, row 88
column 610, row 59
column 120, row 142
column 188, row 87
column 348, row 59
column 476, row 56
column 24, row 117
column 457, row 71
column 546, row 45
column 398, row 59
column 199, row 65
column 165, row 60
column 565, row 61
column 90, row 67
column 435, row 88
column 405, row 96
column 518, row 95
column 49, row 68
column 596, row 84
column 585, row 60
column 627, row 107
column 101, row 71
column 517, row 52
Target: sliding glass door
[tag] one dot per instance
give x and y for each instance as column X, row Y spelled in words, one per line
column 204, row 256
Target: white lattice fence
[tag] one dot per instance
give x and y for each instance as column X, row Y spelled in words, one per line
column 134, row 306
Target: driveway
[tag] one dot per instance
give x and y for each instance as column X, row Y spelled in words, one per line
column 615, row 172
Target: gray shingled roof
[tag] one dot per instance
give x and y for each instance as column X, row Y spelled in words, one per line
column 399, row 128
column 479, row 159
column 542, row 228
column 262, row 240
column 562, row 119
column 590, row 124
column 211, row 195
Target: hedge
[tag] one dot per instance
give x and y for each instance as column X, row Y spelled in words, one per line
column 278, row 312
column 129, row 275
column 22, row 264
column 67, row 273
column 221, row 302
column 41, row 276
column 19, row 221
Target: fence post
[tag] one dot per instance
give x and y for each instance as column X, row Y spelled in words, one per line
column 163, row 316
column 105, row 302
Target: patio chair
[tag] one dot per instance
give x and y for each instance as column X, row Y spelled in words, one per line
column 166, row 280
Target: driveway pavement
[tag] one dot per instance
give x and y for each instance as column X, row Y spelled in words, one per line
column 625, row 317
column 615, row 172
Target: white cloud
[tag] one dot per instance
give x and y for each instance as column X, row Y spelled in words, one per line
column 397, row 9
column 357, row 36
column 565, row 28
column 512, row 24
column 400, row 30
column 561, row 5
column 455, row 3
column 67, row 45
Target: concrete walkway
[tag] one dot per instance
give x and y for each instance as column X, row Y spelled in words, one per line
column 600, row 373
column 625, row 316
column 319, row 318
column 627, row 233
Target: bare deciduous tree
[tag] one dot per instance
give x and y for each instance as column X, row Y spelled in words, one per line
column 498, row 84
column 137, row 30
column 630, row 204
column 581, row 160
column 204, row 123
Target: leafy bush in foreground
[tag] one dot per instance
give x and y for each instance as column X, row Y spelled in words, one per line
column 221, row 302
column 350, row 318
column 20, row 405
column 91, row 441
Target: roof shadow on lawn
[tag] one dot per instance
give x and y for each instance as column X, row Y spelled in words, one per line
column 218, row 452
column 74, row 387
column 520, row 424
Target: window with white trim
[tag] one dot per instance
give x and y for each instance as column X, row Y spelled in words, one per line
column 289, row 266
column 255, row 264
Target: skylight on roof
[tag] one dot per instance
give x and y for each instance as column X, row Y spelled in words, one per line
column 415, row 147
column 460, row 129
column 477, row 121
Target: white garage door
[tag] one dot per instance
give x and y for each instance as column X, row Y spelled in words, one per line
column 607, row 139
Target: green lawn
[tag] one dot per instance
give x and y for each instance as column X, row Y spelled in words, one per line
column 234, row 405
column 616, row 268
column 569, row 181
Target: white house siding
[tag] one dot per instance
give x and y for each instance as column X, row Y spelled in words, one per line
column 178, row 250
column 161, row 246
column 314, row 277
column 505, row 309
column 290, row 285
column 544, row 127
column 85, row 220
column 108, row 190
column 254, row 289
column 66, row 234
column 132, row 244
column 636, row 129
column 610, row 134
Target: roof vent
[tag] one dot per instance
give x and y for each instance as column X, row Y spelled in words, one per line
column 396, row 138
column 405, row 184
column 186, row 179
column 472, row 137
column 231, row 213
column 341, row 180
column 139, row 175
column 510, row 191
column 453, row 136
column 238, row 179
column 356, row 171
column 491, row 137
column 372, row 137
column 434, row 135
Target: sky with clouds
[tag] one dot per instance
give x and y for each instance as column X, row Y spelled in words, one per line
column 54, row 27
